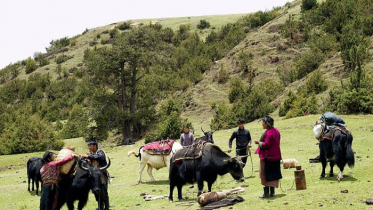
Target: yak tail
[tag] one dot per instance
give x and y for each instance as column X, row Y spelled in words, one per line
column 133, row 152
column 349, row 153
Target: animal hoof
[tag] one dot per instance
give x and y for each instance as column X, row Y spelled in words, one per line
column 322, row 176
column 331, row 175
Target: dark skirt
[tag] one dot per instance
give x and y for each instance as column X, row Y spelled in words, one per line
column 270, row 173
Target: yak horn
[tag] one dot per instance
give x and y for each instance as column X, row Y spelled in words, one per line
column 107, row 166
column 82, row 167
column 202, row 130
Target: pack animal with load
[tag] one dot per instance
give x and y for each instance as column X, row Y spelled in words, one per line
column 335, row 143
column 201, row 162
column 156, row 155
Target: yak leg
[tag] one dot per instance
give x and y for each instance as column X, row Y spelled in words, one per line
column 170, row 197
column 179, row 192
column 32, row 184
column 150, row 169
column 323, row 163
column 37, row 187
column 141, row 168
column 83, row 201
column 331, row 173
column 28, row 188
column 209, row 185
column 200, row 186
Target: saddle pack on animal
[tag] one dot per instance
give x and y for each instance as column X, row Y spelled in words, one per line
column 327, row 125
column 159, row 147
column 193, row 151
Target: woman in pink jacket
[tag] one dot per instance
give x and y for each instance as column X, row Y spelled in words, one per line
column 270, row 156
column 49, row 175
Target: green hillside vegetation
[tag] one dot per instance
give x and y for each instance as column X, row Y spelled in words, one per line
column 145, row 78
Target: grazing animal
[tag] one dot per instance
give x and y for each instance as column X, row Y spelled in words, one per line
column 156, row 161
column 76, row 187
column 34, row 165
column 211, row 163
column 207, row 137
column 337, row 149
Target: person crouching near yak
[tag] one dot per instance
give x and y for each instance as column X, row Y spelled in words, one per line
column 270, row 156
column 49, row 175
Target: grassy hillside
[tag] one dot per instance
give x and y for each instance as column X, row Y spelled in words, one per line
column 297, row 141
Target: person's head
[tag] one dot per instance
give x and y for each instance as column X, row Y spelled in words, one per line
column 267, row 122
column 240, row 123
column 48, row 156
column 186, row 129
column 92, row 145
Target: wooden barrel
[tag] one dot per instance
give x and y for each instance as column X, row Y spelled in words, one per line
column 300, row 179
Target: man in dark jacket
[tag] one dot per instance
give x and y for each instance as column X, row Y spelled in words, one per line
column 98, row 159
column 243, row 140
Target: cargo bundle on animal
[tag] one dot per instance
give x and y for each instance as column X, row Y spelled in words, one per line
column 335, row 143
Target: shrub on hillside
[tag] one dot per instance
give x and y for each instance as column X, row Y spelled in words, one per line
column 259, row 18
column 223, row 118
column 58, row 44
column 30, row 65
column 28, row 134
column 287, row 104
column 62, row 58
column 77, row 123
column 113, row 33
column 316, row 83
column 203, row 24
column 236, row 90
column 44, row 62
column 308, row 5
column 124, row 26
column 223, row 75
column 308, row 62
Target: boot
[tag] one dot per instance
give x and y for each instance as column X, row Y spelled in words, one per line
column 266, row 193
column 272, row 192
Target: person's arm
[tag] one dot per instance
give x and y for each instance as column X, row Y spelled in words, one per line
column 231, row 139
column 267, row 141
column 100, row 156
column 182, row 140
column 61, row 162
column 249, row 137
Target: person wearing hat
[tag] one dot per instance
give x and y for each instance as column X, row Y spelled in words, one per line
column 49, row 176
column 187, row 137
column 243, row 140
column 97, row 157
column 270, row 155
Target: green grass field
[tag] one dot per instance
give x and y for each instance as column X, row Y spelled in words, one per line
column 297, row 142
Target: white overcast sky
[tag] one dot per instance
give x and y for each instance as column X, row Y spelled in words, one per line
column 28, row 26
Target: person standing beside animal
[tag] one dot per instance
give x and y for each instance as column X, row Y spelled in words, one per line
column 187, row 137
column 49, row 175
column 270, row 155
column 97, row 157
column 243, row 140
